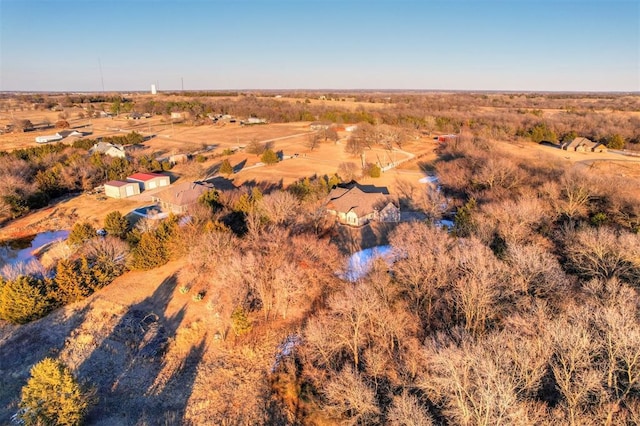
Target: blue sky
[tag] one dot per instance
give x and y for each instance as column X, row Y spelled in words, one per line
column 561, row 45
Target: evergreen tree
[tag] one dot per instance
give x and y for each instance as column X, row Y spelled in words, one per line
column 154, row 247
column 464, row 224
column 24, row 299
column 117, row 225
column 269, row 157
column 52, row 396
column 211, row 199
column 225, row 167
column 68, row 287
column 240, row 324
column 615, row 141
column 150, row 252
column 80, row 233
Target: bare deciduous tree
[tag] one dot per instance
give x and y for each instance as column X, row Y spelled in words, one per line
column 348, row 171
column 406, row 410
column 349, row 398
column 600, row 253
column 280, row 207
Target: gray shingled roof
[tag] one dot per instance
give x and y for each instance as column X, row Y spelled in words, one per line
column 362, row 203
column 184, row 194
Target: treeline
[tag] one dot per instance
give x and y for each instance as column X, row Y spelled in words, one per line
column 442, row 113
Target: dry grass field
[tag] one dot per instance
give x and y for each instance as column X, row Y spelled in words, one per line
column 102, row 337
column 65, row 212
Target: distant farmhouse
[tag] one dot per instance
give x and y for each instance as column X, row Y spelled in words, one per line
column 148, row 181
column 105, row 148
column 60, row 135
column 584, row 145
column 319, row 125
column 357, row 205
column 252, row 121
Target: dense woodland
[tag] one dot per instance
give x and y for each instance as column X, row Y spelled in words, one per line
column 525, row 312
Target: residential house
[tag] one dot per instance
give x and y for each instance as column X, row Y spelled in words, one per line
column 179, row 158
column 112, row 150
column 179, row 198
column 357, row 205
column 581, row 144
column 60, row 135
column 253, row 120
column 49, row 138
column 149, row 180
column 121, row 189
column 319, row 125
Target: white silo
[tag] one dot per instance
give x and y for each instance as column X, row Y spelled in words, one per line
column 153, row 89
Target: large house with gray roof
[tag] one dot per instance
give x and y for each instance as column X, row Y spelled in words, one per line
column 357, row 205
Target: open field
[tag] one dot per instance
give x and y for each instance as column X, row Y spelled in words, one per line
column 65, row 212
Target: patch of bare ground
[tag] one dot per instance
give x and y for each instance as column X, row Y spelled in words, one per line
column 65, row 212
column 602, row 163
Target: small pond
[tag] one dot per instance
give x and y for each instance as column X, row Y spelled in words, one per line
column 359, row 263
column 150, row 212
column 25, row 250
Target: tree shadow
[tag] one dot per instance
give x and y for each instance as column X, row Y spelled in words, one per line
column 221, row 183
column 128, row 360
column 27, row 345
column 171, row 401
column 239, row 166
column 264, row 186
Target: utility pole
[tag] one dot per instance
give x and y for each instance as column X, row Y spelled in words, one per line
column 101, row 76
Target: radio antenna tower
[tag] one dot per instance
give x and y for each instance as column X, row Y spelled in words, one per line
column 101, row 76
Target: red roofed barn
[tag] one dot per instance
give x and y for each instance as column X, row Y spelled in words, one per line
column 149, row 180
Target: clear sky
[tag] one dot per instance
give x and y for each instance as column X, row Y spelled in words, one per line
column 537, row 45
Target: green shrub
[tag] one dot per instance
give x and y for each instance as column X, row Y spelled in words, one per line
column 225, row 167
column 373, row 170
column 80, row 233
column 24, row 299
column 240, row 324
column 52, row 396
column 269, row 157
column 615, row 142
column 117, row 225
